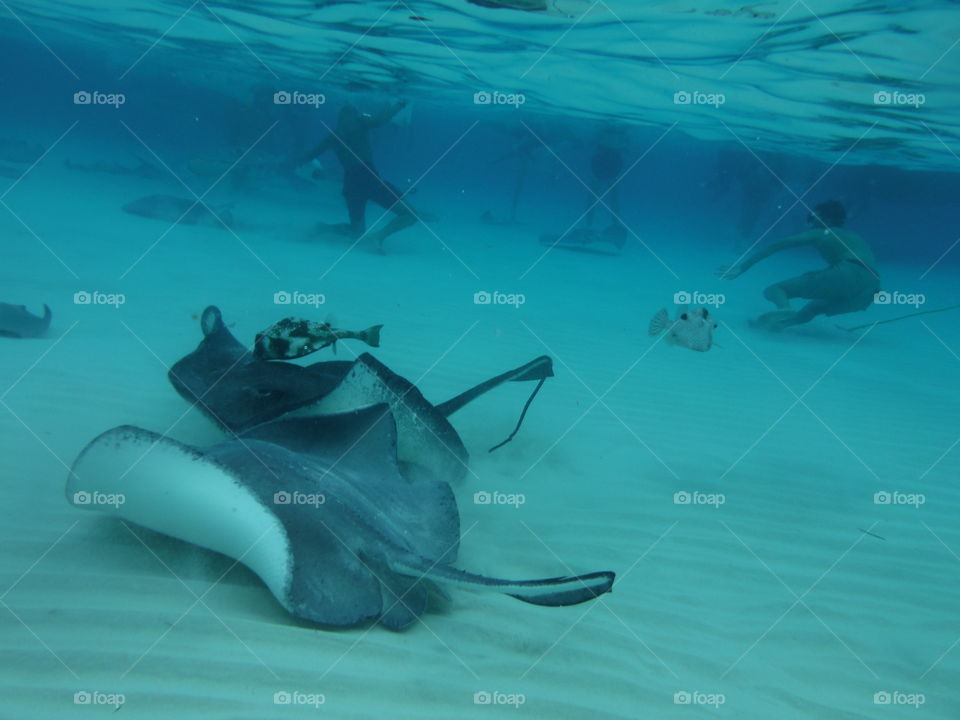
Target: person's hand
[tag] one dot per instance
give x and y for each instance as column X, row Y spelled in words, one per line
column 729, row 272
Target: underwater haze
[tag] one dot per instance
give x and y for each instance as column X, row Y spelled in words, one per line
column 480, row 358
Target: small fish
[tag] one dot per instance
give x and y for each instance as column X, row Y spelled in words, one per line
column 692, row 329
column 294, row 337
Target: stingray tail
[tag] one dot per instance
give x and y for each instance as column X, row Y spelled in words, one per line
column 539, row 369
column 550, row 592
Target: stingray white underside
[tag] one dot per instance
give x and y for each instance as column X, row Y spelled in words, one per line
column 168, row 487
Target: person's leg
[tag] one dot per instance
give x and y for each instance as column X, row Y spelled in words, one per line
column 390, row 198
column 815, row 286
column 808, row 286
column 778, row 295
column 356, row 201
column 780, row 319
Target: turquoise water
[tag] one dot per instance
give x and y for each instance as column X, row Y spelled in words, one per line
column 780, row 508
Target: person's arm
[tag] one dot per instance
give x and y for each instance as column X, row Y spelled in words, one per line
column 811, row 237
column 385, row 116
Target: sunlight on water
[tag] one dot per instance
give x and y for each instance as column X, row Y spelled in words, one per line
column 825, row 76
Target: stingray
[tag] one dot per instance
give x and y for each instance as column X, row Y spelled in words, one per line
column 172, row 209
column 317, row 507
column 237, row 391
column 16, row 321
column 603, row 242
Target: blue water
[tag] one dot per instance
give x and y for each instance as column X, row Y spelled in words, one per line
column 731, row 125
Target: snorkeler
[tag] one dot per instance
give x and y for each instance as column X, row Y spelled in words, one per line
column 848, row 284
column 361, row 182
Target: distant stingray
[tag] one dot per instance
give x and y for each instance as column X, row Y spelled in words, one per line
column 172, row 209
column 16, row 321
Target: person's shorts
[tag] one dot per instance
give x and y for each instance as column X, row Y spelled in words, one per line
column 362, row 184
column 843, row 288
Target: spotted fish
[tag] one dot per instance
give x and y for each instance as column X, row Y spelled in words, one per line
column 294, row 337
column 692, row 329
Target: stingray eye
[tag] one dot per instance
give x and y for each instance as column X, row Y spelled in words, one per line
column 705, row 314
column 683, row 317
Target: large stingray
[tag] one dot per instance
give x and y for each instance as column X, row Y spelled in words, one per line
column 17, row 321
column 317, row 507
column 238, row 391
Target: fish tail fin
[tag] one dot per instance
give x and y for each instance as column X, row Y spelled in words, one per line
column 659, row 322
column 371, row 336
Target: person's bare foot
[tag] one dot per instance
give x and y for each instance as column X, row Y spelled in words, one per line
column 775, row 321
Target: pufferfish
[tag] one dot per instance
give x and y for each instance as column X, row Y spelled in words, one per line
column 692, row 329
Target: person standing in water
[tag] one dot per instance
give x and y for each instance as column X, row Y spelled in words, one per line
column 848, row 283
column 350, row 141
column 606, row 165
